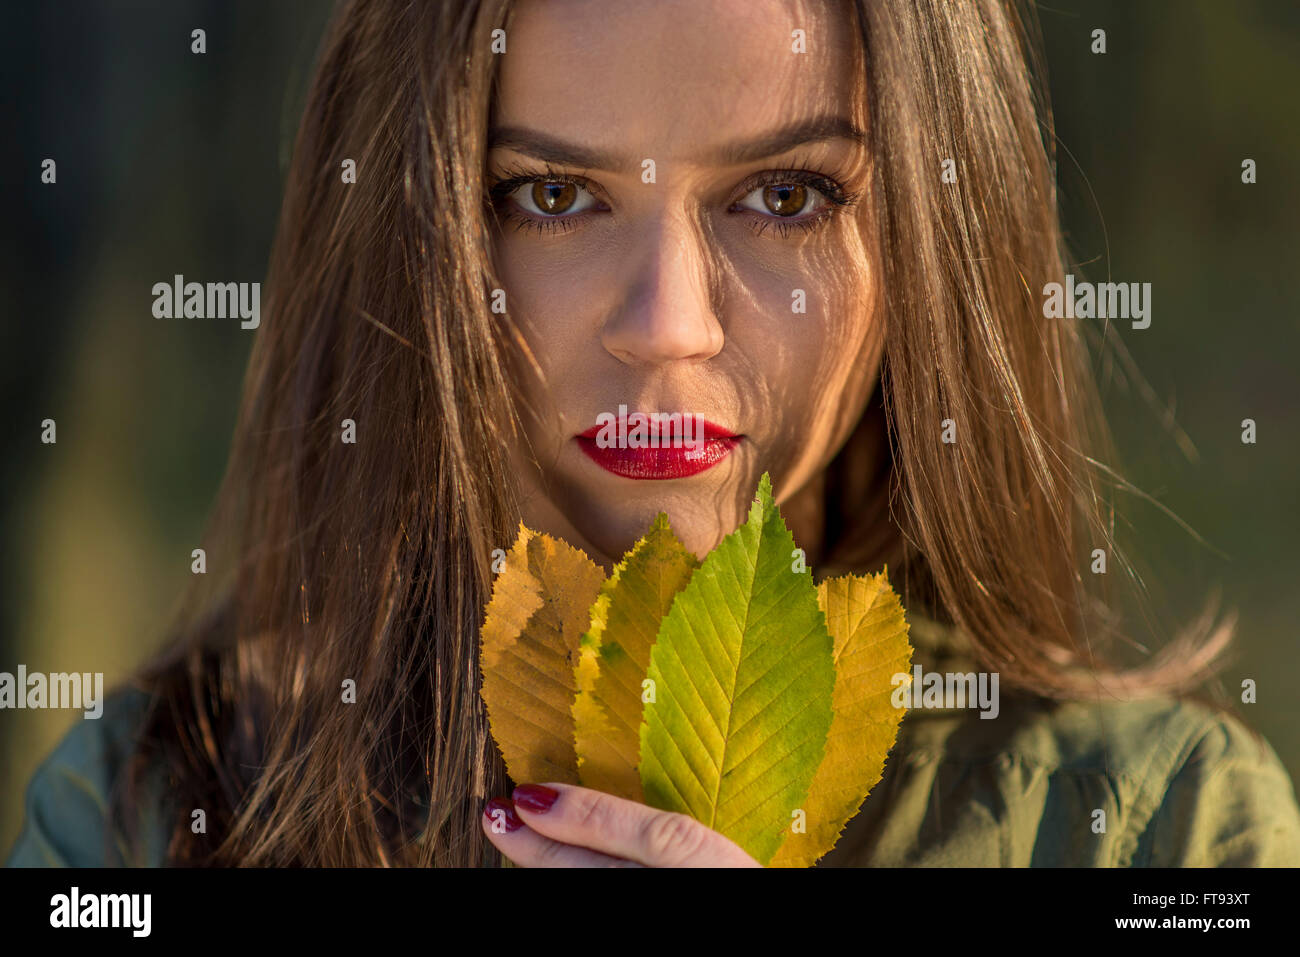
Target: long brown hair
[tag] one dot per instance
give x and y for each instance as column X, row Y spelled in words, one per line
column 369, row 561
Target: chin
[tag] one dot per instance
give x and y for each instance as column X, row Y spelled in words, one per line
column 700, row 517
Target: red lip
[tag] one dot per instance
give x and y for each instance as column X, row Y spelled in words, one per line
column 670, row 461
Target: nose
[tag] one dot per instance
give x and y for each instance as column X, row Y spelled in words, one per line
column 668, row 313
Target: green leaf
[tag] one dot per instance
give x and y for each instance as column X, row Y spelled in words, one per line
column 743, row 677
column 616, row 656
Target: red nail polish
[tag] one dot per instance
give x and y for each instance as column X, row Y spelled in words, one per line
column 537, row 798
column 501, row 813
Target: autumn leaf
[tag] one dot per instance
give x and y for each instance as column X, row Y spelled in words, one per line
column 742, row 674
column 624, row 623
column 866, row 623
column 539, row 610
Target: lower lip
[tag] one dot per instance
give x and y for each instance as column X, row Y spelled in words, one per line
column 661, row 463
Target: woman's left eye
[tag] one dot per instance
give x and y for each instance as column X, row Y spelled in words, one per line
column 785, row 200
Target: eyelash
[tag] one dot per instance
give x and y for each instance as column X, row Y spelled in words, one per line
column 798, row 174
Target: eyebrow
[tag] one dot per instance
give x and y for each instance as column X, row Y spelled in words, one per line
column 550, row 149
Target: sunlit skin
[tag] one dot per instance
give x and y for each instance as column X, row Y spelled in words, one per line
column 677, row 295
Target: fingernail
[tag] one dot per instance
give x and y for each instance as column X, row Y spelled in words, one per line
column 508, row 818
column 537, row 798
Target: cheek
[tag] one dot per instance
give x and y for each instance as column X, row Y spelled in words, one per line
column 848, row 363
column 810, row 335
column 548, row 300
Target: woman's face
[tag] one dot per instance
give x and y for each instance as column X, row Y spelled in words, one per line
column 683, row 229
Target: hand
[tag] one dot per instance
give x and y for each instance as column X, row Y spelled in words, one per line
column 561, row 825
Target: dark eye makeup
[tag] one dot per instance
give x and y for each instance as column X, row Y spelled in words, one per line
column 800, row 183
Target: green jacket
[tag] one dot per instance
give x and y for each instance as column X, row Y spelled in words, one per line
column 1179, row 784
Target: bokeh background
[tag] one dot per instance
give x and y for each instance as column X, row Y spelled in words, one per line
column 170, row 162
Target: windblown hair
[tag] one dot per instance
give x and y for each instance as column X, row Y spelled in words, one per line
column 369, row 562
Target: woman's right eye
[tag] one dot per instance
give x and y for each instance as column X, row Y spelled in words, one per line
column 552, row 198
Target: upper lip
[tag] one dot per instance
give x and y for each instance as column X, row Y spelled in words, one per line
column 711, row 429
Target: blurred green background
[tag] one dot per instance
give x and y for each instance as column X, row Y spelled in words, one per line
column 170, row 162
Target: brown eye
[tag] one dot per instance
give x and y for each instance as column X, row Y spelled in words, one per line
column 785, row 199
column 550, row 198
column 554, row 197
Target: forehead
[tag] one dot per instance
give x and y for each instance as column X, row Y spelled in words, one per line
column 670, row 78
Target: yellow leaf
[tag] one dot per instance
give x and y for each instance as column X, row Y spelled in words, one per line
column 539, row 610
column 616, row 656
column 598, row 759
column 869, row 633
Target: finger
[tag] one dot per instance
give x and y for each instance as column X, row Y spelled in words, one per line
column 527, row 848
column 621, row 828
